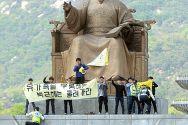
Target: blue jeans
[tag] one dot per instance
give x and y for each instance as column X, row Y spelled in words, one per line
column 133, row 106
column 121, row 99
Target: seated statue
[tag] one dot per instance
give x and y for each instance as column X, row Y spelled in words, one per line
column 97, row 18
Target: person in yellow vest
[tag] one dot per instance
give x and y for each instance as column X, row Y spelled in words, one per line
column 36, row 116
column 135, row 90
column 143, row 97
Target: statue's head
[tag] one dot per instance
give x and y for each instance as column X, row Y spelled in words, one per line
column 101, row 1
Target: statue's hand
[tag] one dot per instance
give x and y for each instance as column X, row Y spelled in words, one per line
column 67, row 6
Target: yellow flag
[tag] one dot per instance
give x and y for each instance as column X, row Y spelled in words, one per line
column 101, row 60
column 146, row 84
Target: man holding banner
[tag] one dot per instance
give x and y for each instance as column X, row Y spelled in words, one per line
column 27, row 102
column 67, row 101
column 80, row 70
column 51, row 80
column 120, row 89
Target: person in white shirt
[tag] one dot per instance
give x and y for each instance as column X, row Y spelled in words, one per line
column 143, row 97
column 102, row 88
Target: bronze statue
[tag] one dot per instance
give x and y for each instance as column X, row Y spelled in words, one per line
column 101, row 22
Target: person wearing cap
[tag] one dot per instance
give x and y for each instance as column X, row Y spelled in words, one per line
column 36, row 116
column 51, row 81
column 120, row 89
column 67, row 101
column 154, row 85
column 128, row 85
column 80, row 70
column 135, row 90
column 102, row 88
column 27, row 101
column 143, row 97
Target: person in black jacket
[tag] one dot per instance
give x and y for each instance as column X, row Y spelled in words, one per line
column 119, row 95
column 51, row 81
column 154, row 85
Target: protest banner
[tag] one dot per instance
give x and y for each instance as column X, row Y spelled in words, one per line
column 61, row 91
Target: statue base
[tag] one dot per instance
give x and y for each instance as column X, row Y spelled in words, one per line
column 82, row 106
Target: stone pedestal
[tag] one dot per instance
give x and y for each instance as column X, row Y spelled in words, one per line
column 91, row 105
column 100, row 120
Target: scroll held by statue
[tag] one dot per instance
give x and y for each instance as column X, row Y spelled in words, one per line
column 61, row 91
column 101, row 60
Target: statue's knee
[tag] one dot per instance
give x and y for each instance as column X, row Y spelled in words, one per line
column 77, row 40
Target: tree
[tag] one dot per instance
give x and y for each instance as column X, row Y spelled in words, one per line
column 18, row 109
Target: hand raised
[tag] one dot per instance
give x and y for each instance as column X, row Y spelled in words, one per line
column 67, row 6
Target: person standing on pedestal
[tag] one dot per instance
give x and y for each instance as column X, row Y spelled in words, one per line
column 120, row 89
column 154, row 85
column 102, row 88
column 135, row 90
column 80, row 70
column 67, row 101
column 51, row 81
column 128, row 85
column 27, row 101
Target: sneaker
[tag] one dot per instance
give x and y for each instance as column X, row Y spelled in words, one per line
column 71, row 113
column 53, row 113
column 46, row 114
column 106, row 113
column 65, row 113
column 135, row 114
column 99, row 113
column 155, row 112
column 147, row 112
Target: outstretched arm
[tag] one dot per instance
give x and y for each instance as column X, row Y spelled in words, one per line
column 29, row 114
column 155, row 84
column 44, row 80
column 113, row 83
column 75, row 18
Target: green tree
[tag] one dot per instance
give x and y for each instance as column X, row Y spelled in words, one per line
column 18, row 109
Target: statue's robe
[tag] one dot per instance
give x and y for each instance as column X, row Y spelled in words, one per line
column 98, row 19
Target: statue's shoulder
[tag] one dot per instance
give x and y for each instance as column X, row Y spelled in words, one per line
column 83, row 3
column 118, row 4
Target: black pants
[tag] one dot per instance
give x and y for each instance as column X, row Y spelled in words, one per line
column 101, row 100
column 144, row 99
column 31, row 123
column 121, row 99
column 52, row 104
column 70, row 105
column 80, row 80
column 27, row 104
column 154, row 104
column 132, row 99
